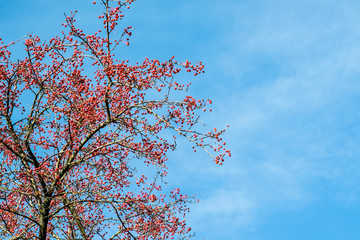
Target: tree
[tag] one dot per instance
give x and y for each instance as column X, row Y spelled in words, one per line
column 73, row 120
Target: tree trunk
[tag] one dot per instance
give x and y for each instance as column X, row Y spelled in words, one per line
column 44, row 219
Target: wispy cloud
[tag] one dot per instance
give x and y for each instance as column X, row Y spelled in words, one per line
column 294, row 129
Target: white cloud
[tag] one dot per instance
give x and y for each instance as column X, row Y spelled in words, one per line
column 291, row 133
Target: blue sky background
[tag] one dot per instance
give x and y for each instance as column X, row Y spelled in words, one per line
column 285, row 75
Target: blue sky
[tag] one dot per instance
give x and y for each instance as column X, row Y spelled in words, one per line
column 285, row 76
